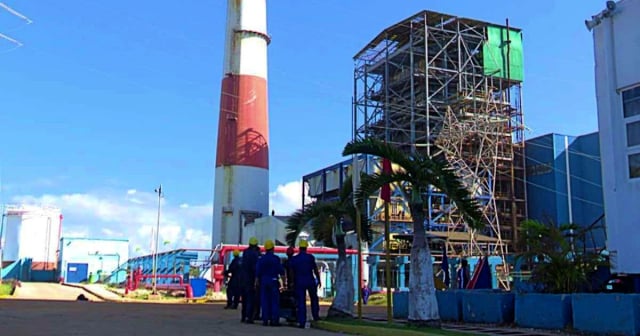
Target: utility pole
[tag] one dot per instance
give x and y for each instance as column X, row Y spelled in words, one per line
column 1, row 241
column 155, row 250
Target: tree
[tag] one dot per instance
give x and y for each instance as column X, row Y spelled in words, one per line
column 417, row 172
column 557, row 256
column 325, row 220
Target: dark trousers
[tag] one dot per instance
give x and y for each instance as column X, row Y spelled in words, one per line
column 270, row 302
column 301, row 295
column 233, row 296
column 365, row 295
column 248, row 301
column 256, row 304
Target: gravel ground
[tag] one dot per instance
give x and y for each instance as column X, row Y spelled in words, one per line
column 51, row 318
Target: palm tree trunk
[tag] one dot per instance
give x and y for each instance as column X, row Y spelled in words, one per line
column 342, row 304
column 423, row 304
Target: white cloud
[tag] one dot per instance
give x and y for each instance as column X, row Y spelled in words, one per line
column 286, row 198
column 116, row 215
column 132, row 215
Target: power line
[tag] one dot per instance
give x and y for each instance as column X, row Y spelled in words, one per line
column 19, row 15
column 14, row 12
column 570, row 151
column 565, row 173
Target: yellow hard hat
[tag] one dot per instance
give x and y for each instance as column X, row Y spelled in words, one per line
column 268, row 245
column 253, row 241
column 303, row 244
column 236, row 253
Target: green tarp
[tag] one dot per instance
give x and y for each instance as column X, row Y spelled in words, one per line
column 495, row 53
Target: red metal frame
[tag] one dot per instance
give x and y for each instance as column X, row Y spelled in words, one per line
column 135, row 277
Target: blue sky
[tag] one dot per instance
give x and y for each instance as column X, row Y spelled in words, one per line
column 107, row 99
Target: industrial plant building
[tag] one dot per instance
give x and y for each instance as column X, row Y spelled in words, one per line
column 450, row 87
column 557, row 193
column 564, row 183
column 33, row 249
column 91, row 260
column 32, row 233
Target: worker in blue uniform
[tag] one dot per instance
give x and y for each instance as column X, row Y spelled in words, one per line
column 288, row 270
column 249, row 260
column 307, row 279
column 233, row 281
column 269, row 271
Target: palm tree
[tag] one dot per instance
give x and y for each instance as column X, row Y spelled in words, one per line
column 417, row 173
column 558, row 257
column 325, row 220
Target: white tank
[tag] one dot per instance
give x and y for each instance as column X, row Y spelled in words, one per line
column 32, row 232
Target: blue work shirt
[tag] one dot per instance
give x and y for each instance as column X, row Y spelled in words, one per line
column 269, row 268
column 249, row 260
column 234, row 270
column 304, row 266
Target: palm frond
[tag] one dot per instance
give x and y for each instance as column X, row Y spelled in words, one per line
column 371, row 146
column 322, row 227
column 420, row 171
column 439, row 174
column 346, row 200
column 369, row 184
column 295, row 224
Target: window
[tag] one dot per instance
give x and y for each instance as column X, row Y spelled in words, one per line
column 633, row 134
column 631, row 102
column 634, row 165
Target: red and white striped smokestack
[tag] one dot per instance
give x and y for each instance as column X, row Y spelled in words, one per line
column 242, row 160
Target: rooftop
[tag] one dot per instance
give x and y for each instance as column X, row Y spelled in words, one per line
column 402, row 28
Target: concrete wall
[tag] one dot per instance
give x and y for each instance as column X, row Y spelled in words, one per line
column 616, row 51
column 99, row 254
column 264, row 228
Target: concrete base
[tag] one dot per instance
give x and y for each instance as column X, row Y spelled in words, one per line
column 487, row 306
column 543, row 311
column 617, row 314
column 154, row 297
column 450, row 305
column 400, row 305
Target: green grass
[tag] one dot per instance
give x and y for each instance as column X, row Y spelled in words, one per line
column 5, row 289
column 355, row 327
column 378, row 299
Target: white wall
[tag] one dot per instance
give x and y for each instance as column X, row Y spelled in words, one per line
column 89, row 251
column 617, row 50
column 265, row 228
column 32, row 232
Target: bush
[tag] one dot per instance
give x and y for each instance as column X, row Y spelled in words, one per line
column 557, row 256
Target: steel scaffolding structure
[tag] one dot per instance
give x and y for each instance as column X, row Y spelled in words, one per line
column 451, row 87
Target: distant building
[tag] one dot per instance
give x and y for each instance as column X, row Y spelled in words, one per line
column 32, row 232
column 87, row 259
column 564, row 182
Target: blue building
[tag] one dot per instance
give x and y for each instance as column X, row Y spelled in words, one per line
column 564, row 182
column 91, row 259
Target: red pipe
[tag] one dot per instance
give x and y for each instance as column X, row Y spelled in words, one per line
column 280, row 249
column 162, row 276
column 137, row 276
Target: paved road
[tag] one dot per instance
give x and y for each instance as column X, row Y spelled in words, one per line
column 49, row 291
column 52, row 318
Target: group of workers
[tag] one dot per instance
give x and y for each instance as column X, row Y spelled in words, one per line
column 257, row 280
